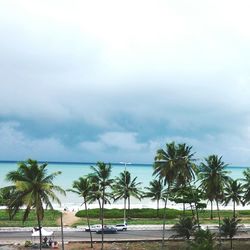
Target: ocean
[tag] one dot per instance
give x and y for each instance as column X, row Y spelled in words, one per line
column 72, row 171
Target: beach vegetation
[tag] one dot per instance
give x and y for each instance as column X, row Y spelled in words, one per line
column 175, row 166
column 134, row 213
column 101, row 176
column 213, row 178
column 229, row 228
column 233, row 192
column 156, row 192
column 124, row 187
column 246, row 185
column 50, row 218
column 83, row 188
column 34, row 189
column 185, row 227
column 203, row 240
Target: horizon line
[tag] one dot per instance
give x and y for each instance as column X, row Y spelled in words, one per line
column 75, row 162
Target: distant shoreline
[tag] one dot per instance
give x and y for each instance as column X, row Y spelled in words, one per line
column 78, row 162
column 94, row 163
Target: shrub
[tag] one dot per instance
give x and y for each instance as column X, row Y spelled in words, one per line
column 28, row 243
column 133, row 213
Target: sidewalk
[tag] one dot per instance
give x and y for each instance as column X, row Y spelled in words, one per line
column 213, row 227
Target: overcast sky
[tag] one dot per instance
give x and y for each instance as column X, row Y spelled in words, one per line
column 116, row 80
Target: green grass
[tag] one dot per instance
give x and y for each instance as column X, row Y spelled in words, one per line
column 50, row 218
column 115, row 216
column 148, row 216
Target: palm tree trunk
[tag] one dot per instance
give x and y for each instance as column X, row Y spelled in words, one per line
column 211, row 214
column 158, row 208
column 100, row 207
column 195, row 205
column 128, row 206
column 164, row 223
column 62, row 231
column 103, row 196
column 197, row 216
column 234, row 208
column 191, row 206
column 90, row 233
column 40, row 232
column 218, row 211
column 124, row 212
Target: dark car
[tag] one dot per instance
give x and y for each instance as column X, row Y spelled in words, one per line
column 107, row 230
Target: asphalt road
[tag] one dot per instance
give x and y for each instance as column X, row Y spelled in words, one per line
column 13, row 237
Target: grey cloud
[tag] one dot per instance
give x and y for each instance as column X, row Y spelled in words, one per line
column 181, row 75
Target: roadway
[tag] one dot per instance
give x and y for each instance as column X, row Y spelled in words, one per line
column 21, row 236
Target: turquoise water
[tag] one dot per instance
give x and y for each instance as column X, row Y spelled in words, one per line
column 72, row 171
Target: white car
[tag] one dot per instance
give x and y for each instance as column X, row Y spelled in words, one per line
column 121, row 227
column 93, row 228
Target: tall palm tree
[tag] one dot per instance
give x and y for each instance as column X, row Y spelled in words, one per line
column 186, row 173
column 165, row 167
column 34, row 188
column 213, row 178
column 185, row 164
column 82, row 187
column 155, row 191
column 125, row 187
column 233, row 192
column 101, row 175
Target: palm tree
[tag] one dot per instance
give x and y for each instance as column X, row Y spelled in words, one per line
column 203, row 239
column 155, row 192
column 186, row 173
column 95, row 194
column 82, row 187
column 101, row 175
column 125, row 187
column 185, row 227
column 213, row 177
column 175, row 166
column 6, row 193
column 229, row 228
column 34, row 188
column 233, row 192
column 246, row 185
column 185, row 164
column 165, row 168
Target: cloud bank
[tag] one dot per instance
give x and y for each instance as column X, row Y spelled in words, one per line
column 88, row 81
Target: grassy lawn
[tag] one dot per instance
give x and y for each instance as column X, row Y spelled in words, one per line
column 50, row 218
column 115, row 216
column 148, row 216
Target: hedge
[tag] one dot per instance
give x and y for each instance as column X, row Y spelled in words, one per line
column 133, row 213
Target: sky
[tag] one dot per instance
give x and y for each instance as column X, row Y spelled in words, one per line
column 116, row 80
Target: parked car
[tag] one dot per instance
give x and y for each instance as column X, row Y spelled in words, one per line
column 121, row 227
column 107, row 230
column 93, row 228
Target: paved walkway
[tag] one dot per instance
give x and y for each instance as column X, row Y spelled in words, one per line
column 244, row 228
